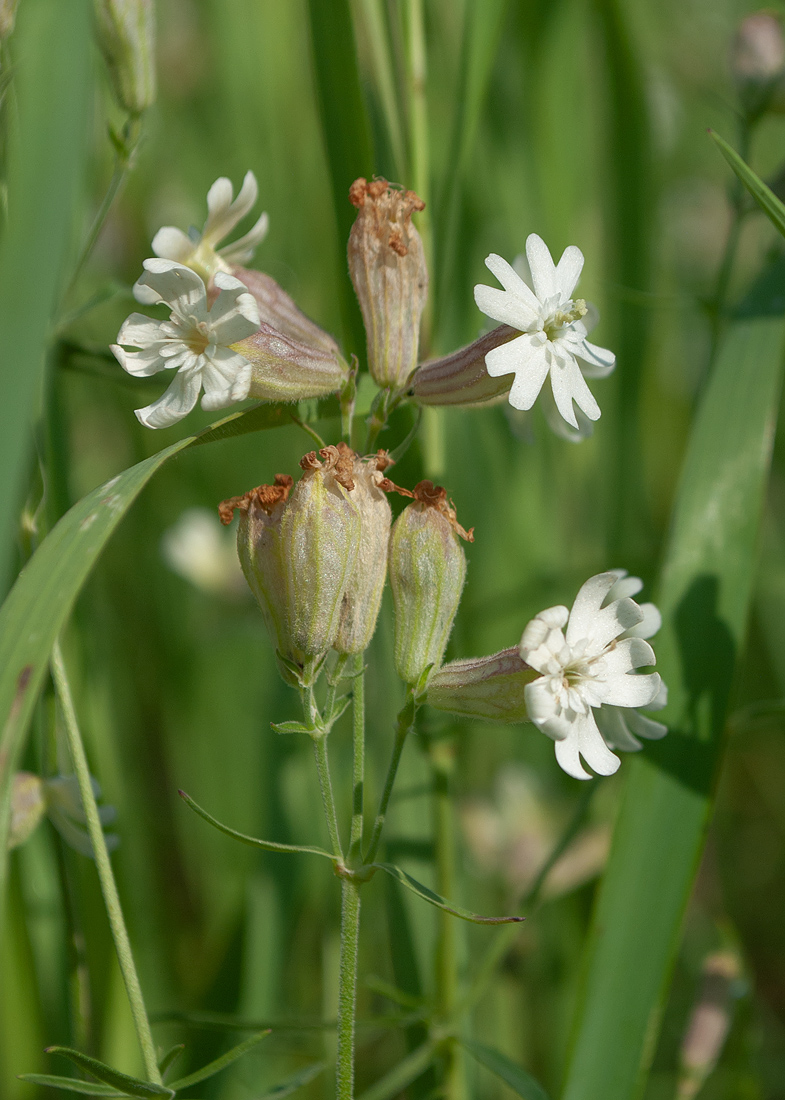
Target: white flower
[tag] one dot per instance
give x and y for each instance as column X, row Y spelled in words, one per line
column 194, row 341
column 198, row 250
column 554, row 332
column 588, row 667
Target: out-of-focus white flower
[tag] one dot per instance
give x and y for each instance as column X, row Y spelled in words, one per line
column 588, row 659
column 195, row 341
column 59, row 798
column 619, row 725
column 203, row 553
column 553, row 331
column 198, row 250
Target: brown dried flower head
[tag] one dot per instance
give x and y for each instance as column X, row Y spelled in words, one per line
column 387, row 266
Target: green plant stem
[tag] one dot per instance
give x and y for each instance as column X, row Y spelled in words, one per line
column 719, row 297
column 347, row 988
column 404, row 726
column 123, row 162
column 358, row 770
column 441, row 754
column 104, row 867
column 328, row 798
column 505, row 937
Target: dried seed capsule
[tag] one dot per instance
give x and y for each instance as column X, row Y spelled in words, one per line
column 427, row 570
column 320, row 538
column 387, row 267
column 126, row 34
column 283, row 369
column 483, row 687
column 259, row 550
column 363, row 596
column 462, row 378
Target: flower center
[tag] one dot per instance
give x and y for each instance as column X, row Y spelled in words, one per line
column 198, row 338
column 561, row 318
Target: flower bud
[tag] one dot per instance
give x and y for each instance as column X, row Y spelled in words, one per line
column 279, row 311
column 387, row 267
column 462, row 378
column 758, row 62
column 320, row 539
column 427, row 570
column 28, row 806
column 483, row 687
column 282, row 369
column 259, row 550
column 363, row 596
column 126, row 34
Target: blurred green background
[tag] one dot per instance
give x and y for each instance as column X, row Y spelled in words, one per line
column 591, row 131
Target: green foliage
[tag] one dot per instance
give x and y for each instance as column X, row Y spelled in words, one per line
column 518, row 1079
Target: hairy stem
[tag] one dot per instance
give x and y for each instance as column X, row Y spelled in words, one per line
column 347, row 988
column 403, row 728
column 328, row 798
column 358, row 771
column 104, row 867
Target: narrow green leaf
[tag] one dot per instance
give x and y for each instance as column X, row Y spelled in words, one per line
column 433, row 898
column 763, row 195
column 705, row 593
column 131, row 1086
column 513, row 1075
column 346, row 131
column 219, row 1063
column 69, row 1084
column 47, row 154
column 266, row 845
column 291, row 727
column 170, row 1056
column 295, row 1082
column 45, row 591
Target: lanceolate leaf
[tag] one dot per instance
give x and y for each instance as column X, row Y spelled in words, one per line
column 220, row 1063
column 69, row 1084
column 704, row 596
column 125, row 1085
column 763, row 195
column 267, row 845
column 433, row 898
column 513, row 1075
column 45, row 591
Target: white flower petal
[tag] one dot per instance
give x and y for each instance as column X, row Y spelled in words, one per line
column 176, row 403
column 587, row 604
column 529, row 378
column 650, row 624
column 612, row 724
column 627, row 655
column 138, row 331
column 504, row 307
column 139, row 363
column 581, row 394
column 234, row 314
column 223, row 214
column 542, row 268
column 543, row 711
column 177, row 285
column 625, row 586
column 599, row 361
column 568, row 270
column 559, row 425
column 172, row 244
column 645, row 727
column 242, row 250
column 563, row 392
column 632, row 690
column 145, row 295
column 226, row 377
column 512, row 282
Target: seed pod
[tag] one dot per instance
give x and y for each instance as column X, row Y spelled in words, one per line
column 282, row 369
column 483, row 687
column 279, row 311
column 387, row 267
column 28, row 806
column 126, row 34
column 363, row 596
column 259, row 550
column 461, row 378
column 427, row 570
column 320, row 539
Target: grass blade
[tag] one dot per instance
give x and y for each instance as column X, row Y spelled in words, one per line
column 347, row 134
column 45, row 591
column 705, row 593
column 295, row 1082
column 125, row 1085
column 763, row 195
column 402, row 1075
column 254, row 842
column 46, row 158
column 435, row 899
column 219, row 1063
column 513, row 1075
